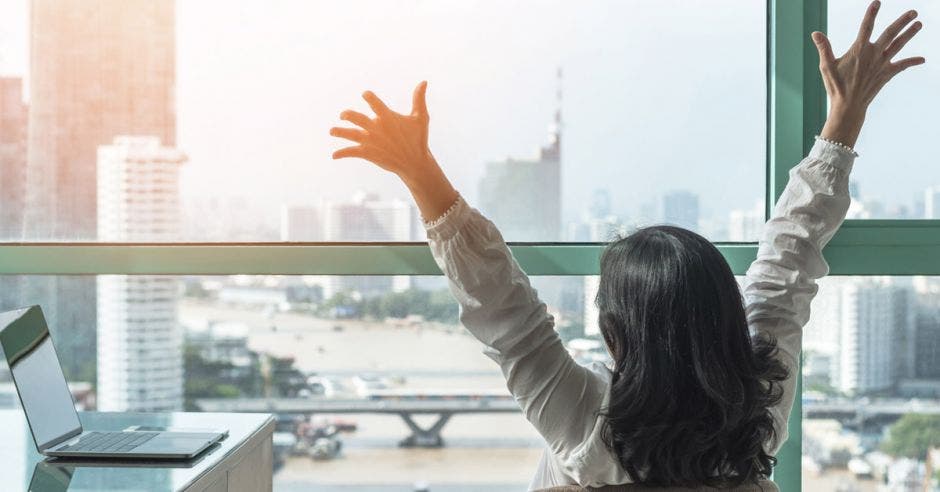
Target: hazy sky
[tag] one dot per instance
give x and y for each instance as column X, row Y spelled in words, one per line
column 658, row 95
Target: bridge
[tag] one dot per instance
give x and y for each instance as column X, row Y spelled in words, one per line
column 405, row 408
column 854, row 413
column 860, row 413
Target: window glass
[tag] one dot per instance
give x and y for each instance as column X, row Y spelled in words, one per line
column 895, row 178
column 238, row 343
column 208, row 121
column 871, row 384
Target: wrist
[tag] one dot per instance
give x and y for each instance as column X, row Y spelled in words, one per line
column 843, row 124
column 423, row 175
column 432, row 191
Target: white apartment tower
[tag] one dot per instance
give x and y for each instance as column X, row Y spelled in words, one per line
column 140, row 355
column 932, row 202
column 874, row 331
column 367, row 218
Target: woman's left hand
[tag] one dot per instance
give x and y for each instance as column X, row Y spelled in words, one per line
column 853, row 80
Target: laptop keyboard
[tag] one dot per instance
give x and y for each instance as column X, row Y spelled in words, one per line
column 109, row 442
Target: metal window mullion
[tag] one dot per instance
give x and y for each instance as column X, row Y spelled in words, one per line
column 797, row 105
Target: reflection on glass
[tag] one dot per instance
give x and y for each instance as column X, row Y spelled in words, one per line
column 39, row 380
column 91, row 477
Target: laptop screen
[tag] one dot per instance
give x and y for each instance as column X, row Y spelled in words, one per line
column 38, row 376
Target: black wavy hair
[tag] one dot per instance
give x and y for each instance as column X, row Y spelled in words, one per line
column 691, row 391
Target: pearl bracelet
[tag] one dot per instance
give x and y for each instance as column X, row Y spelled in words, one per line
column 839, row 144
column 429, row 224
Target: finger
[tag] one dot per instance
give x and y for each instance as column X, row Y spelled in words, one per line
column 354, row 134
column 892, row 31
column 359, row 152
column 824, row 47
column 419, row 104
column 895, row 47
column 868, row 23
column 376, row 104
column 902, row 65
column 357, row 118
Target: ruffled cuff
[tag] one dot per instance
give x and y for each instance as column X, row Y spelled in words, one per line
column 447, row 225
column 835, row 155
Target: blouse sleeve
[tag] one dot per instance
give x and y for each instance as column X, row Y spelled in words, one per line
column 501, row 309
column 781, row 282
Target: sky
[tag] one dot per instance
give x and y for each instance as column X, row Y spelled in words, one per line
column 658, row 95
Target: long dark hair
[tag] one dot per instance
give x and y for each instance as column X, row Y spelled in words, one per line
column 691, row 391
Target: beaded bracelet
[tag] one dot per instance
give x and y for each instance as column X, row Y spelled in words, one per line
column 839, row 144
column 433, row 223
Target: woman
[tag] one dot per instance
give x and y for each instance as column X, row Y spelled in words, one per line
column 692, row 399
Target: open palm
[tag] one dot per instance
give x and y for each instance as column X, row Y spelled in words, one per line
column 394, row 141
column 854, row 79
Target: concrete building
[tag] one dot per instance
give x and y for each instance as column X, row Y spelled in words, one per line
column 13, row 124
column 367, row 218
column 875, row 341
column 301, row 224
column 746, row 225
column 932, row 202
column 681, row 208
column 523, row 196
column 927, row 339
column 98, row 69
column 140, row 359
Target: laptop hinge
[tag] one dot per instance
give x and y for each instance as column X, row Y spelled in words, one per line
column 59, row 440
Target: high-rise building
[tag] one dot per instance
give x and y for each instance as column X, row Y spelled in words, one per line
column 927, row 339
column 98, row 69
column 13, row 120
column 746, row 225
column 591, row 313
column 875, row 342
column 599, row 226
column 680, row 208
column 523, row 196
column 932, row 202
column 301, row 223
column 367, row 218
column 140, row 354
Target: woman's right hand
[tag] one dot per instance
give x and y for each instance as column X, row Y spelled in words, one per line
column 854, row 79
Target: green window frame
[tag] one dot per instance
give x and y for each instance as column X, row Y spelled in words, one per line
column 796, row 109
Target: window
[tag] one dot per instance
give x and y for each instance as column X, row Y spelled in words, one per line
column 871, row 383
column 896, row 179
column 236, row 343
column 208, row 121
column 229, row 146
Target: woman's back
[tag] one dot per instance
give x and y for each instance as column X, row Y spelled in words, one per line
column 568, row 403
column 691, row 399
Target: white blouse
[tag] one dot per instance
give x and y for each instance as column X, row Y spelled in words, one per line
column 560, row 397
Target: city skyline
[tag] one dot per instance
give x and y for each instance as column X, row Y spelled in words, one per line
column 146, row 123
column 267, row 161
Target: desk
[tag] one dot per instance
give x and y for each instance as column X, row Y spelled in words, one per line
column 241, row 462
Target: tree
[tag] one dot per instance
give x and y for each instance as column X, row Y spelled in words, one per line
column 913, row 435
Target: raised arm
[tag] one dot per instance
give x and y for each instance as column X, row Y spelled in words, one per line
column 497, row 303
column 398, row 143
column 781, row 282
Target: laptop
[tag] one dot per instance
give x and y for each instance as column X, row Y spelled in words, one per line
column 50, row 411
